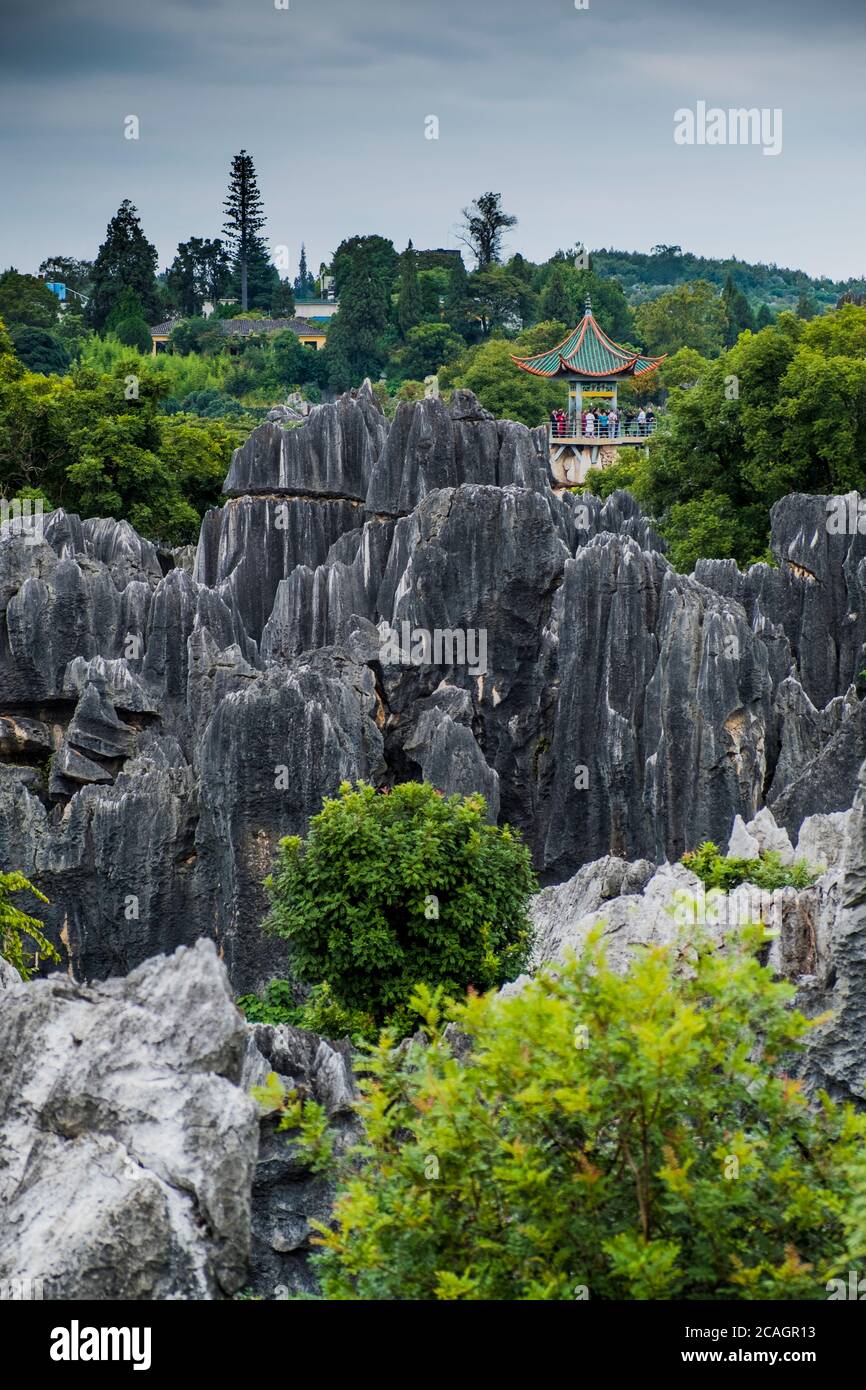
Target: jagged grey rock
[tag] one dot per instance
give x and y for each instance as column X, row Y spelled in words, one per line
column 822, row 838
column 30, row 736
column 623, row 710
column 837, row 1048
column 742, row 845
column 330, row 455
column 287, row 1196
column 9, row 976
column 127, row 1148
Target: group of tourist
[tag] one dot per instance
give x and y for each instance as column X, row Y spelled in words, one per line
column 604, row 423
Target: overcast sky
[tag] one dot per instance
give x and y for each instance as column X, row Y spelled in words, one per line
column 568, row 113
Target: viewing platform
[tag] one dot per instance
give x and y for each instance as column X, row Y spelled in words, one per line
column 625, row 433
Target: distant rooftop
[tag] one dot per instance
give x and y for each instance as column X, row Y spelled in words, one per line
column 243, row 328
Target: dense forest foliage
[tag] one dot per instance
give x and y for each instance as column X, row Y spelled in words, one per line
column 761, row 392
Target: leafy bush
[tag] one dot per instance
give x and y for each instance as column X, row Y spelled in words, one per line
column 15, row 925
column 715, row 870
column 389, row 890
column 211, row 404
column 319, row 1013
column 133, row 332
column 607, row 1135
column 276, row 1004
column 39, row 350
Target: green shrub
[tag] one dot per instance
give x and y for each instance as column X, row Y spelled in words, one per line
column 715, row 870
column 390, row 890
column 15, row 925
column 134, row 333
column 275, row 1004
column 612, row 1136
column 39, row 350
column 319, row 1013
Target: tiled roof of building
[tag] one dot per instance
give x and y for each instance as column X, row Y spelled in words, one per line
column 304, row 328
column 244, row 327
column 160, row 330
column 588, row 352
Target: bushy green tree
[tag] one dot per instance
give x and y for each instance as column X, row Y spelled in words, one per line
column 358, row 342
column 782, row 411
column 604, row 1136
column 18, row 929
column 376, row 255
column 126, row 261
column 500, row 386
column 39, row 350
column 428, row 347
column 200, row 271
column 133, row 332
column 391, row 889
column 26, row 300
column 689, row 316
column 556, row 301
column 563, row 289
column 496, row 300
column 683, row 368
column 197, row 335
column 97, row 443
column 291, row 364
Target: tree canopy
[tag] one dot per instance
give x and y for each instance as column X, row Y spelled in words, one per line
column 126, row 261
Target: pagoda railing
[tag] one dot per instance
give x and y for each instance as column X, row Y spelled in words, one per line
column 571, row 428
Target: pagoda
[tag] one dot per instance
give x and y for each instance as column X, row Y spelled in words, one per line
column 593, row 365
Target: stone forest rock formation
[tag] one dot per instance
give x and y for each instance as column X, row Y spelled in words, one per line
column 163, row 722
column 165, row 718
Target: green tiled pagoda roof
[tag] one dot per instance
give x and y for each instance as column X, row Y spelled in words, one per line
column 588, row 352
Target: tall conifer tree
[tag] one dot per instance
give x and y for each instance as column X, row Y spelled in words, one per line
column 245, row 217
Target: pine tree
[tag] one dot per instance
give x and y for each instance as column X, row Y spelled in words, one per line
column 126, row 261
column 763, row 318
column 738, row 313
column 245, row 218
column 305, row 284
column 263, row 278
column 409, row 306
